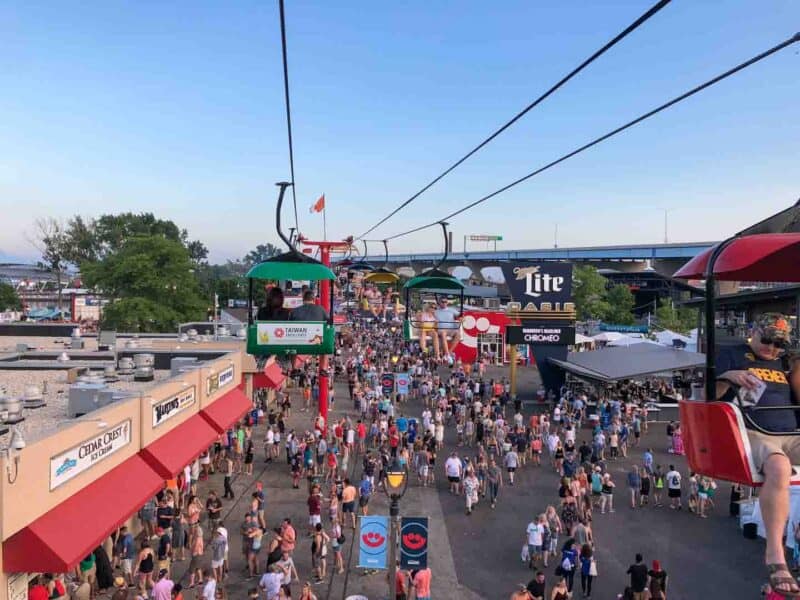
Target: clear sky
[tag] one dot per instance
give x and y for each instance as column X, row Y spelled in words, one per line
column 177, row 108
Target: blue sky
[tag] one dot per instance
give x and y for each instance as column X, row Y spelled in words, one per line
column 177, row 108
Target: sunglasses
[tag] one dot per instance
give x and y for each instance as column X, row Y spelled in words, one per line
column 778, row 343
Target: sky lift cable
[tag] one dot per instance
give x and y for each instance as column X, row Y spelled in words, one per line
column 288, row 111
column 788, row 42
column 633, row 26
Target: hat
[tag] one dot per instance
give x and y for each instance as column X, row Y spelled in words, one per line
column 774, row 325
column 119, row 582
column 159, row 530
column 163, row 573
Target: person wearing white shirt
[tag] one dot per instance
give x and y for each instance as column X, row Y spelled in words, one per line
column 535, row 532
column 453, row 468
column 271, row 582
column 210, row 586
column 673, row 478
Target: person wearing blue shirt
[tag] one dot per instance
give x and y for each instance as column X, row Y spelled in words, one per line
column 402, row 424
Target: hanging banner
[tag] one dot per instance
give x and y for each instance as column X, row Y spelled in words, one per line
column 403, row 382
column 387, row 383
column 414, row 543
column 373, row 542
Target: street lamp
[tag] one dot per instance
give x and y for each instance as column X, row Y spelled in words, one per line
column 395, row 483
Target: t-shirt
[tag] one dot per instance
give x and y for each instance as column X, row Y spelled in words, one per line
column 511, row 460
column 214, row 507
column 537, row 589
column 445, row 318
column 271, row 583
column 422, row 583
column 674, row 480
column 771, row 372
column 164, row 515
column 452, row 467
column 162, row 590
column 314, row 505
column 210, row 589
column 638, row 573
column 535, row 531
column 38, row 592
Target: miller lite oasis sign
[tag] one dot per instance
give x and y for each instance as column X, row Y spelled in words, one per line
column 541, row 290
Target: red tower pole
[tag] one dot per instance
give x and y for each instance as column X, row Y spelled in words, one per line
column 325, row 292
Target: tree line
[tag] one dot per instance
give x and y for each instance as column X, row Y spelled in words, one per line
column 149, row 269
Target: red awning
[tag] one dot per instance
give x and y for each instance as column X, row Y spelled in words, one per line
column 271, row 377
column 760, row 257
column 170, row 453
column 59, row 539
column 227, row 410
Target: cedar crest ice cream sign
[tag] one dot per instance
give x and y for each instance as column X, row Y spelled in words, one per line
column 88, row 453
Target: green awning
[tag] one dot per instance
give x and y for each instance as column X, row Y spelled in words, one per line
column 291, row 266
column 434, row 280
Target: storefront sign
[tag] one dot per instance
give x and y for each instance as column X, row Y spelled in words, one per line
column 373, row 542
column 624, row 328
column 414, row 543
column 543, row 287
column 78, row 459
column 166, row 409
column 540, row 334
column 288, row 333
column 219, row 380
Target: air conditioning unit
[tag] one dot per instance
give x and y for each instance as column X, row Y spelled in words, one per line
column 84, row 398
column 178, row 363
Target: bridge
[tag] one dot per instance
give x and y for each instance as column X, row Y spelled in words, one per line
column 662, row 258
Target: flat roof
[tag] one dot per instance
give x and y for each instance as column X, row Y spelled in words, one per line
column 786, row 292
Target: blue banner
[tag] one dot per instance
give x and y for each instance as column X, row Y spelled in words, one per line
column 387, row 384
column 373, row 542
column 403, row 382
column 414, row 542
column 623, row 328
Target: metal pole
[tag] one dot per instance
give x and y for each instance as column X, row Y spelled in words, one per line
column 325, row 294
column 394, row 515
column 465, row 244
column 512, row 356
column 666, row 238
column 555, row 237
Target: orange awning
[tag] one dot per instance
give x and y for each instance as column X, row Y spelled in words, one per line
column 170, row 453
column 227, row 410
column 62, row 537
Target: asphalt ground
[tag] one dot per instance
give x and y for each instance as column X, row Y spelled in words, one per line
column 477, row 556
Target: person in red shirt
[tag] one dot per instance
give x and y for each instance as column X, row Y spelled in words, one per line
column 361, row 431
column 314, row 509
column 37, row 591
column 401, row 585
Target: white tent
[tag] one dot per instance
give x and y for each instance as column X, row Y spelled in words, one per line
column 630, row 341
column 583, row 339
column 607, row 336
column 666, row 337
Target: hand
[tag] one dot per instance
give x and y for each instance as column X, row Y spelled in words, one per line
column 742, row 378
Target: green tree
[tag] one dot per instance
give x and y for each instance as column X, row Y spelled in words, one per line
column 678, row 319
column 620, row 302
column 261, row 253
column 153, row 274
column 589, row 293
column 8, row 298
column 52, row 241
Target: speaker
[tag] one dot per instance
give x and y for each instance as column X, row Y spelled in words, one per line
column 750, row 531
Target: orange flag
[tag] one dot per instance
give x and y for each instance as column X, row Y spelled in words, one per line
column 319, row 205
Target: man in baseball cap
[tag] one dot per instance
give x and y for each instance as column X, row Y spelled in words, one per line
column 758, row 372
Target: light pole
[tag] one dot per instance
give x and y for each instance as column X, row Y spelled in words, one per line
column 666, row 212
column 395, row 483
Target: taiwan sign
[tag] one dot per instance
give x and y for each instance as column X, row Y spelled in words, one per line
column 387, row 383
column 88, row 453
column 373, row 542
column 219, row 380
column 414, row 543
column 164, row 410
column 540, row 333
column 289, row 333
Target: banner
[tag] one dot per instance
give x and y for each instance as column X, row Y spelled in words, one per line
column 414, row 543
column 548, row 283
column 387, row 383
column 624, row 328
column 289, row 333
column 373, row 542
column 166, row 409
column 540, row 333
column 403, row 382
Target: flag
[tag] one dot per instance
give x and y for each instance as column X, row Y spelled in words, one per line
column 319, row 205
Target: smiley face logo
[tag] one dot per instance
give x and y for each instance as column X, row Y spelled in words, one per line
column 414, row 541
column 373, row 539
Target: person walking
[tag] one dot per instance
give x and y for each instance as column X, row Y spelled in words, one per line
column 658, row 582
column 638, row 573
column 494, row 481
column 588, row 570
column 673, row 478
column 607, row 496
column 634, row 486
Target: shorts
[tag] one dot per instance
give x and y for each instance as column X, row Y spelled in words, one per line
column 164, row 564
column 195, row 564
column 703, row 495
column 216, row 564
column 453, row 479
column 313, row 520
column 363, row 501
column 534, row 549
column 511, row 469
column 674, row 493
column 127, row 566
column 762, row 446
column 348, row 507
